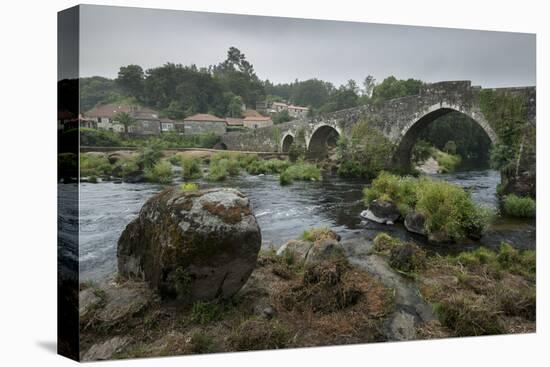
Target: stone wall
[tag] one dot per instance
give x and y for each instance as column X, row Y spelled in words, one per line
column 204, row 127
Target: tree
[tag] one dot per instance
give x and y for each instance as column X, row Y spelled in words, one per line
column 281, row 117
column 125, row 119
column 391, row 88
column 368, row 86
column 234, row 109
column 130, row 79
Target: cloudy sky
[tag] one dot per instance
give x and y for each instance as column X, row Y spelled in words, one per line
column 284, row 49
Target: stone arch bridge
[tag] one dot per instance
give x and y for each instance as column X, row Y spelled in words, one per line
column 401, row 120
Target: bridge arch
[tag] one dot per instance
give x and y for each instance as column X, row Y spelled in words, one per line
column 409, row 134
column 322, row 136
column 286, row 142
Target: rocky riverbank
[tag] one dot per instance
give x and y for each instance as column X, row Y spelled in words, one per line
column 171, row 299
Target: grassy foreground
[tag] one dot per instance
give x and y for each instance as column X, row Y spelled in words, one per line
column 283, row 305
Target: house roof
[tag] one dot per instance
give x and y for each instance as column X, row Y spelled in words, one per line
column 257, row 118
column 204, row 117
column 108, row 110
column 233, row 121
column 298, row 107
column 251, row 113
column 279, row 104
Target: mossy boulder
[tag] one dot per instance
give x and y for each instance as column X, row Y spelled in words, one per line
column 192, row 245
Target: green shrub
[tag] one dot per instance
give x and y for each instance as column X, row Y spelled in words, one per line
column 271, row 166
column 318, row 234
column 521, row 207
column 449, row 209
column 161, row 172
column 400, row 190
column 189, row 186
column 92, row 164
column 150, row 155
column 126, row 167
column 190, row 167
column 300, row 171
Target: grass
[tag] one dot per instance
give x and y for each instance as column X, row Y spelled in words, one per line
column 223, row 165
column 201, row 343
column 520, row 207
column 406, row 257
column 271, row 166
column 448, row 208
column 92, row 164
column 160, row 172
column 190, row 167
column 447, row 162
column 300, row 171
column 318, row 234
column 258, row 334
column 483, row 292
column 206, row 312
column 189, row 186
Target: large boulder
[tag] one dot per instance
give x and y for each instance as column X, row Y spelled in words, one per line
column 414, row 222
column 121, row 155
column 382, row 211
column 194, row 245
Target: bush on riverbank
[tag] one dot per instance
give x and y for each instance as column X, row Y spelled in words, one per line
column 160, row 172
column 483, row 292
column 271, row 166
column 92, row 164
column 521, row 207
column 448, row 209
column 99, row 138
column 300, row 171
column 190, row 167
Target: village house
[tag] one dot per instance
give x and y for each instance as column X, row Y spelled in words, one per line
column 254, row 122
column 297, row 111
column 146, row 120
column 167, row 125
column 203, row 123
column 235, row 122
column 293, row 110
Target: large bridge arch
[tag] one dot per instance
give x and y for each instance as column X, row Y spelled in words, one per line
column 320, row 137
column 409, row 134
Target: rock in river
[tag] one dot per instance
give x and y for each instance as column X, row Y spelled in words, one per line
column 384, row 212
column 194, row 245
column 414, row 222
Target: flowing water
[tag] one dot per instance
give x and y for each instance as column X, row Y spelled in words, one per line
column 283, row 212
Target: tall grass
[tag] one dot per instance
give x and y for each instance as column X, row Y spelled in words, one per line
column 300, row 171
column 160, row 172
column 520, row 207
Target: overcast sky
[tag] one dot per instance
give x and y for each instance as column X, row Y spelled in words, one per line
column 284, row 49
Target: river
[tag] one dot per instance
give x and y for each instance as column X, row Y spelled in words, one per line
column 283, row 212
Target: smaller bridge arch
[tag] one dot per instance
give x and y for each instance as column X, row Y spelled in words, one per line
column 409, row 134
column 286, row 142
column 321, row 137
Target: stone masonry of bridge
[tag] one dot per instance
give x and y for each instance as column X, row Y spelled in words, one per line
column 400, row 120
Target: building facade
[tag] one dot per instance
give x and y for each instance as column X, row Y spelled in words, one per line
column 255, row 122
column 203, row 123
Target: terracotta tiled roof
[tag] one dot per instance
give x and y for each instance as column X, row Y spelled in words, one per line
column 232, row 121
column 204, row 117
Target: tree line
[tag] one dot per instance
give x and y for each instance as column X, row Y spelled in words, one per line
column 178, row 91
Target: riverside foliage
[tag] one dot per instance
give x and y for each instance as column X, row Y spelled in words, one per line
column 448, row 208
